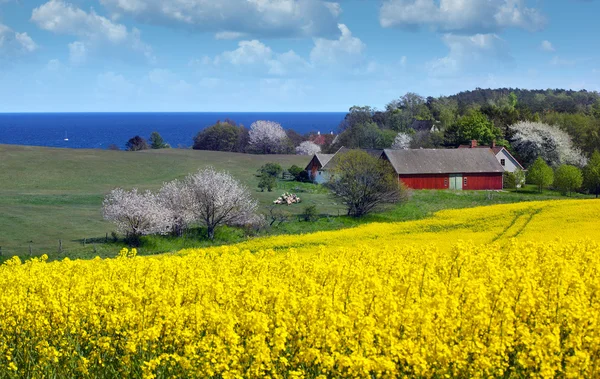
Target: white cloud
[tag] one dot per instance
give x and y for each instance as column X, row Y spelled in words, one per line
column 345, row 54
column 347, row 49
column 229, row 35
column 260, row 57
column 60, row 17
column 254, row 18
column 469, row 16
column 54, row 65
column 14, row 43
column 547, row 46
column 558, row 61
column 110, row 84
column 77, row 53
column 469, row 50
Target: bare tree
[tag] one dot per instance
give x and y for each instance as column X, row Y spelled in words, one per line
column 535, row 139
column 308, row 148
column 402, row 141
column 267, row 137
column 219, row 199
column 364, row 183
column 176, row 199
column 136, row 214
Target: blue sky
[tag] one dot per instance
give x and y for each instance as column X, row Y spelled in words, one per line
column 285, row 55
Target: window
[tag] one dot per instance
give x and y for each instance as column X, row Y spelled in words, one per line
column 464, row 182
column 503, row 162
column 319, row 172
column 445, row 182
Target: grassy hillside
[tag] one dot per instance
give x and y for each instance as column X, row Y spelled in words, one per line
column 50, row 194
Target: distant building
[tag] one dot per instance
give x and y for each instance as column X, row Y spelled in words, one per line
column 456, row 169
column 321, row 164
column 505, row 158
column 424, row 126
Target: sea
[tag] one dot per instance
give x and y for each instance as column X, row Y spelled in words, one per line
column 100, row 130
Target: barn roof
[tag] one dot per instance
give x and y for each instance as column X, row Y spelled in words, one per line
column 443, row 161
column 496, row 150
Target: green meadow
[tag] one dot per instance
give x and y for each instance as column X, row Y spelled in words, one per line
column 47, row 195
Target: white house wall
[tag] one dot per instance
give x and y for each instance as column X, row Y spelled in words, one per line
column 509, row 163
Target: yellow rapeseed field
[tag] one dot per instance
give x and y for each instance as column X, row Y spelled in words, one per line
column 503, row 291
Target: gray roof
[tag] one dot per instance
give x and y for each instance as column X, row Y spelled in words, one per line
column 443, row 161
column 324, row 158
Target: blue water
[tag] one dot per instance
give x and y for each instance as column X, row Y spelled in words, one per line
column 99, row 130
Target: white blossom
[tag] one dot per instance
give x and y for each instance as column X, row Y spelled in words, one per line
column 267, row 137
column 402, row 141
column 533, row 139
column 308, row 148
column 136, row 214
column 219, row 199
column 176, row 199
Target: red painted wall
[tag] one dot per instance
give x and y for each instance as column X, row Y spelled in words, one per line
column 492, row 181
column 425, row 181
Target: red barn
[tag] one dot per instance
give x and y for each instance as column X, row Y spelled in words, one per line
column 469, row 169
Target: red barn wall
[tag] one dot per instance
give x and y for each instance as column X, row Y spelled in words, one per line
column 491, row 181
column 425, row 181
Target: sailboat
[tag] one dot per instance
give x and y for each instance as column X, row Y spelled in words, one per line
column 66, row 136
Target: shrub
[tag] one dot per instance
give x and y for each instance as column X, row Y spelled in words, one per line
column 223, row 136
column 157, row 142
column 540, row 174
column 271, row 169
column 591, row 174
column 267, row 182
column 310, row 213
column 568, row 179
column 136, row 143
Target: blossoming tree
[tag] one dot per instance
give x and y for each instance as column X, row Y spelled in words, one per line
column 267, row 137
column 217, row 198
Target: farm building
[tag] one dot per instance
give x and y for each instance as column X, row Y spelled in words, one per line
column 319, row 166
column 505, row 158
column 469, row 169
column 315, row 170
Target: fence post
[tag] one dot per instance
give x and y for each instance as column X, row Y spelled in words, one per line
column 0, row 251
column 106, row 238
column 95, row 251
column 59, row 246
column 30, row 251
column 84, row 241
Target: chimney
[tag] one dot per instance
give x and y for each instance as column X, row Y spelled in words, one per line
column 493, row 143
column 474, row 143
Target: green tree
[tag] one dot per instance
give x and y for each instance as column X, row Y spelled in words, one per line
column 136, row 143
column 298, row 173
column 519, row 178
column 271, row 169
column 540, row 174
column 363, row 183
column 473, row 126
column 568, row 179
column 267, row 182
column 222, row 136
column 591, row 174
column 157, row 142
